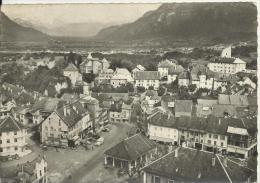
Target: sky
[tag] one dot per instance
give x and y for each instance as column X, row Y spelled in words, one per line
column 55, row 14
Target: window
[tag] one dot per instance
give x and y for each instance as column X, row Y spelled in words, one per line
column 155, row 179
column 16, row 148
column 15, row 140
column 222, row 137
column 8, row 140
column 209, row 141
column 1, row 149
column 221, row 144
column 201, row 141
column 215, row 136
column 215, row 143
column 209, row 135
column 15, row 133
column 170, row 181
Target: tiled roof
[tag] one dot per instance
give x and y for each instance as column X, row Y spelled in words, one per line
column 70, row 97
column 184, row 75
column 238, row 100
column 179, row 69
column 131, row 148
column 220, row 109
column 9, row 124
column 74, row 113
column 223, row 60
column 167, row 63
column 183, row 105
column 192, row 165
column 147, row 75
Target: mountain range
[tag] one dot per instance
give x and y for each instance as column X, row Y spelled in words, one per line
column 188, row 21
column 13, row 32
column 170, row 22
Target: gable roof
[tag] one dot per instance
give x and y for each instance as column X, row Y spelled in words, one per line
column 48, row 104
column 131, row 148
column 72, row 113
column 192, row 165
column 238, row 100
column 9, row 124
column 147, row 75
column 71, row 67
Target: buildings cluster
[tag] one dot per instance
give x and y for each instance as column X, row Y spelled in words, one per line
column 201, row 132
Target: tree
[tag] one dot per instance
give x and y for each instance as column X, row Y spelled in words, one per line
column 161, row 90
column 140, row 89
column 88, row 77
column 192, row 87
column 150, row 88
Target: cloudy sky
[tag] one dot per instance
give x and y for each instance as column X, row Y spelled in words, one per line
column 56, row 14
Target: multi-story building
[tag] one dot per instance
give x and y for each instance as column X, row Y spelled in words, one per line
column 227, row 64
column 94, row 65
column 165, row 65
column 66, row 123
column 189, row 165
column 174, row 72
column 105, row 76
column 120, row 77
column 147, row 79
column 120, row 112
column 12, row 138
column 72, row 72
column 184, row 79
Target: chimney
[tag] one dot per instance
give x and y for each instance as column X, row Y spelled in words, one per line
column 225, row 161
column 219, row 121
column 176, row 152
column 213, row 161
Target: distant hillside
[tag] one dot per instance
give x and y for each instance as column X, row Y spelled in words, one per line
column 13, row 32
column 189, row 20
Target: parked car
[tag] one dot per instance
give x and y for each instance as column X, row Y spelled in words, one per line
column 100, row 141
column 106, row 130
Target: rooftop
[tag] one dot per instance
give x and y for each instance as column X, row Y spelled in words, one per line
column 71, row 67
column 147, row 75
column 190, row 165
column 9, row 124
column 183, row 105
column 131, row 148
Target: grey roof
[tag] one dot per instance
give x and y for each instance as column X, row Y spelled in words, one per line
column 147, row 75
column 183, row 105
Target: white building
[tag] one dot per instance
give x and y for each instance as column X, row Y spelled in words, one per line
column 120, row 77
column 173, row 73
column 165, row 65
column 147, row 79
column 227, row 64
column 12, row 138
column 71, row 71
column 67, row 122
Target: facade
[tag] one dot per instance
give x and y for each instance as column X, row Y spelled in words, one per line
column 12, row 138
column 66, row 123
column 184, row 79
column 147, row 79
column 120, row 77
column 227, row 64
column 165, row 65
column 120, row 112
column 174, row 72
column 105, row 75
column 71, row 71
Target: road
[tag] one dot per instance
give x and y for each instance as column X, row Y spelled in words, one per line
column 96, row 158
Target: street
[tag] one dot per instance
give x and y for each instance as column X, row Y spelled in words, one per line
column 72, row 166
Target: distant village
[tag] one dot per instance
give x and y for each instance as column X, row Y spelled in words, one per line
column 173, row 124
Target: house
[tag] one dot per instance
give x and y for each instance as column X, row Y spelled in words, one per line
column 242, row 137
column 120, row 111
column 165, row 65
column 184, row 79
column 131, row 153
column 5, row 108
column 94, row 65
column 12, row 138
column 22, row 115
column 120, row 77
column 247, row 81
column 71, row 71
column 105, row 75
column 189, row 165
column 147, row 79
column 43, row 107
column 70, row 97
column 65, row 124
column 34, row 171
column 227, row 64
column 162, row 127
column 138, row 68
column 173, row 73
column 183, row 108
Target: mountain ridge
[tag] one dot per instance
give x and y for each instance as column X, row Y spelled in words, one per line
column 188, row 20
